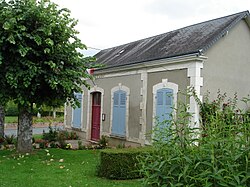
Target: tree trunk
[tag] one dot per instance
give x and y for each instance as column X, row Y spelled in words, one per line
column 2, row 116
column 24, row 134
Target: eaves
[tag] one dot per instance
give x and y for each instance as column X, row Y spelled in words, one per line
column 197, row 57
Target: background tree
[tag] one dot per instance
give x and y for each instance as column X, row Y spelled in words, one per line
column 3, row 102
column 40, row 58
column 3, row 94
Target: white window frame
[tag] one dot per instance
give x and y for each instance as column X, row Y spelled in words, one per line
column 156, row 87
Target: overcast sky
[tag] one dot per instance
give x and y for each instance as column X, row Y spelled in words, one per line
column 108, row 23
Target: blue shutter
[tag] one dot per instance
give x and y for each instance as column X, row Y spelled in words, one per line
column 122, row 115
column 164, row 104
column 77, row 117
column 119, row 113
column 115, row 122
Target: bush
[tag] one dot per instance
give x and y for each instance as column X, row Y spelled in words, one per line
column 103, row 142
column 10, row 139
column 51, row 135
column 61, row 136
column 217, row 154
column 80, row 146
column 120, row 163
column 11, row 109
column 1, row 140
column 42, row 143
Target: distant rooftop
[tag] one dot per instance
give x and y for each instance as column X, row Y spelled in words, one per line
column 188, row 40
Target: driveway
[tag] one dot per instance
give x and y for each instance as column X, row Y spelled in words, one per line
column 37, row 128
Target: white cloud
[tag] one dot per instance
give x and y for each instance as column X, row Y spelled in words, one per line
column 108, row 23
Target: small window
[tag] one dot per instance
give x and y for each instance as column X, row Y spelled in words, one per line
column 96, row 98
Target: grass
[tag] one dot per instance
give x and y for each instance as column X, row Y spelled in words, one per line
column 39, row 169
column 37, row 136
column 11, row 119
column 46, row 119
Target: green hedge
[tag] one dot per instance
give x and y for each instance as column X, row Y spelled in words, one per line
column 11, row 109
column 120, row 163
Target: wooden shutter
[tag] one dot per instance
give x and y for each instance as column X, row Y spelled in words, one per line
column 164, row 104
column 77, row 112
column 119, row 113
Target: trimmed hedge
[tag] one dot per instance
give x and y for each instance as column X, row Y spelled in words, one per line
column 121, row 163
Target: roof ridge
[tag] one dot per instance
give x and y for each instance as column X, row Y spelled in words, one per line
column 226, row 29
column 192, row 39
column 243, row 13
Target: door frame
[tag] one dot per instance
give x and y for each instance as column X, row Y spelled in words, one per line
column 156, row 87
column 113, row 90
column 89, row 114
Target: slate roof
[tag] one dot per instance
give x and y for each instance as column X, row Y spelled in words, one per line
column 187, row 40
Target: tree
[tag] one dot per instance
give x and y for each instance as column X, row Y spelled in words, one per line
column 40, row 59
column 3, row 101
column 2, row 117
column 3, row 94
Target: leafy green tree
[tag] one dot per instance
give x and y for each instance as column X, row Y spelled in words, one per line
column 3, row 101
column 3, row 93
column 2, row 117
column 39, row 58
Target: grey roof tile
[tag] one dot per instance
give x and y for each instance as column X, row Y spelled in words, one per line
column 187, row 40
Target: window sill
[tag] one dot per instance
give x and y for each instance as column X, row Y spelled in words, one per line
column 76, row 129
column 118, row 137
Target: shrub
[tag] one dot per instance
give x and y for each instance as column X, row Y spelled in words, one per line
column 219, row 157
column 68, row 146
column 54, row 135
column 11, row 109
column 80, row 146
column 62, row 136
column 120, row 163
column 10, row 139
column 1, row 140
column 53, row 145
column 120, row 146
column 51, row 135
column 103, row 142
column 42, row 143
column 73, row 136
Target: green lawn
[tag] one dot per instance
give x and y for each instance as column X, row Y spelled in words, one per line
column 10, row 119
column 48, row 119
column 43, row 168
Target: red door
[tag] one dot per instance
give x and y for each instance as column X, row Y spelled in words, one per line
column 96, row 116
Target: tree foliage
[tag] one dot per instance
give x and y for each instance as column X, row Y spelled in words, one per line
column 38, row 52
column 40, row 60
